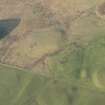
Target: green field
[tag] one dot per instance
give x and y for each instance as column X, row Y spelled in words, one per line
column 72, row 79
column 56, row 55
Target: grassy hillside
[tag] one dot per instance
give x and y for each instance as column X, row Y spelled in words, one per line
column 55, row 55
column 76, row 78
column 20, row 87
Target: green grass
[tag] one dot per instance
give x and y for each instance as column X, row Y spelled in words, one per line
column 95, row 61
column 76, row 74
column 17, row 86
column 25, row 88
column 64, row 87
column 78, row 64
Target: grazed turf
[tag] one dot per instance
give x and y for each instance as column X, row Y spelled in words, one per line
column 95, row 61
column 76, row 74
column 26, row 88
column 17, row 86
